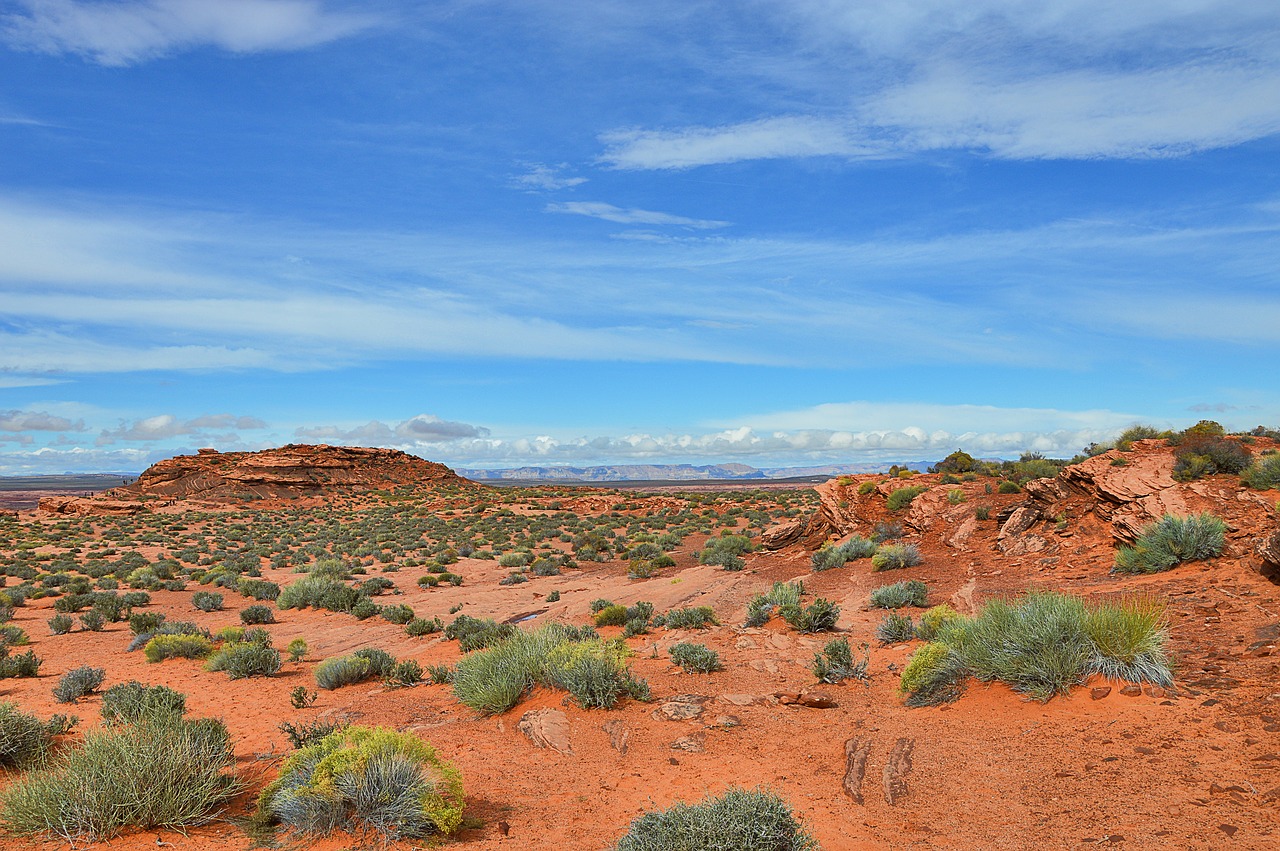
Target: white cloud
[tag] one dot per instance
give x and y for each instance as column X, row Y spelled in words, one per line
column 166, row 426
column 1074, row 79
column 541, row 177
column 20, row 421
column 766, row 138
column 419, row 430
column 126, row 33
column 610, row 213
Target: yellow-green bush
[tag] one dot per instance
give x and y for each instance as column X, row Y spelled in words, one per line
column 366, row 778
column 177, row 646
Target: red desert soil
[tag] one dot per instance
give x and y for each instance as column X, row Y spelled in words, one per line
column 1195, row 768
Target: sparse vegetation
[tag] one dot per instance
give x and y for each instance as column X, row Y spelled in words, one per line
column 895, row 557
column 895, row 629
column 1041, row 645
column 836, row 663
column 1172, row 541
column 362, row 778
column 695, row 658
column 738, row 820
column 77, row 683
column 838, row 555
column 903, row 497
column 899, row 594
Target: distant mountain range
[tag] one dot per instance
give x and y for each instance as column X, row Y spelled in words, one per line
column 663, row 472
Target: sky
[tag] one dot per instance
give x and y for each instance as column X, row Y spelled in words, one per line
column 497, row 233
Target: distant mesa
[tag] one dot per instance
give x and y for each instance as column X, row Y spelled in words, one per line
column 289, row 472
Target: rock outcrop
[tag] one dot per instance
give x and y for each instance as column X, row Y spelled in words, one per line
column 289, row 472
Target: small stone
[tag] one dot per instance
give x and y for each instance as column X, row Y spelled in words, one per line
column 817, row 700
column 728, row 721
column 688, row 744
column 741, row 699
column 1131, row 690
column 1219, row 789
column 676, row 710
column 1099, row 692
column 787, row 698
column 1228, row 829
column 1144, row 750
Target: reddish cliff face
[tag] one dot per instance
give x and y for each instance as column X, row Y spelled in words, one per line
column 289, row 472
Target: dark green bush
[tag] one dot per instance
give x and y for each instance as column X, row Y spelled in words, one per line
column 302, row 734
column 140, row 622
column 695, row 658
column 1009, row 487
column 422, row 626
column 475, row 633
column 257, row 615
column 738, row 820
column 207, row 601
column 399, row 615
column 92, row 621
column 836, row 556
column 258, row 589
column 60, row 624
column 245, row 659
column 902, row 497
column 133, row 701
column 380, row 661
column 693, row 617
column 836, row 663
column 365, row 609
column 819, row 616
column 23, row 665
column 1207, row 457
column 1263, row 474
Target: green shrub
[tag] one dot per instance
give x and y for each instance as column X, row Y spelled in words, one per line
column 24, row 739
column 726, row 551
column 92, row 792
column 955, row 496
column 932, row 621
column 362, row 778
column 982, row 512
column 365, row 609
column 819, row 616
column 245, row 659
column 1041, row 645
column 896, row 557
column 553, row 597
column 258, row 589
column 297, row 649
column 302, row 734
column 22, row 665
column 1263, row 474
column 886, row 532
column 1009, row 487
column 475, row 633
column 836, row 556
column 257, row 615
column 895, row 629
column 1207, row 457
column 762, row 606
column 77, row 683
column 1137, row 432
column 133, row 702
column 399, row 615
column 611, row 615
column 902, row 497
column 418, row 627
column 836, row 663
column 380, row 661
column 404, row 673
column 695, row 658
column 92, row 621
column 1172, row 541
column 496, row 678
column 693, row 617
column 738, row 820
column 320, row 592
column 207, row 601
column 140, row 622
column 899, row 594
column 300, row 698
column 440, row 674
column 163, row 647
column 59, row 624
column 865, row 488
column 341, row 671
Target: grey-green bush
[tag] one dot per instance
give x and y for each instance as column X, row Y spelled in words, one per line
column 24, row 739
column 738, row 820
column 1172, row 541
column 77, row 683
column 910, row 593
column 133, row 701
column 896, row 557
column 695, row 658
column 207, row 601
column 836, row 663
column 257, row 615
column 91, row 792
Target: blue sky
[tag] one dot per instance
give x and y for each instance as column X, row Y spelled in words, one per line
column 504, row 233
